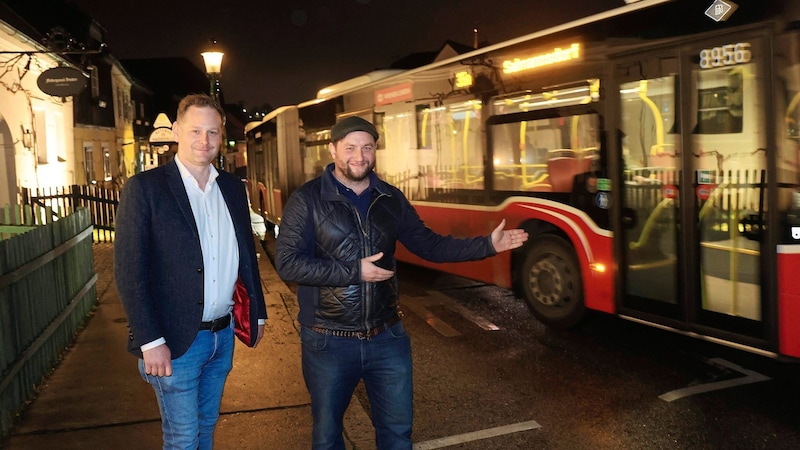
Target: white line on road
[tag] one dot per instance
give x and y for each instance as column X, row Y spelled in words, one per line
column 416, row 305
column 476, row 435
column 750, row 377
column 466, row 313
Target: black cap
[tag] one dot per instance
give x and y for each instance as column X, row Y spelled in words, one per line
column 350, row 124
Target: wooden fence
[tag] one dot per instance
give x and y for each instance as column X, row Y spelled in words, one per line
column 47, row 290
column 60, row 201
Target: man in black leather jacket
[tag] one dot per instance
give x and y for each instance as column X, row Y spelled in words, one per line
column 337, row 240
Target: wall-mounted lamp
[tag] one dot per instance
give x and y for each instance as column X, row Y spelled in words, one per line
column 27, row 139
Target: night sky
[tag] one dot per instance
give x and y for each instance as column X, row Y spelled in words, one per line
column 283, row 52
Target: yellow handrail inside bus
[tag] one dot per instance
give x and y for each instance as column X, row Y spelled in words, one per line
column 656, row 116
column 465, row 144
column 424, row 131
column 650, row 224
column 464, row 149
column 574, row 133
column 791, row 107
column 523, row 151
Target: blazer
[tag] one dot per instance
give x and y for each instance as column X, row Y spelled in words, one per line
column 158, row 262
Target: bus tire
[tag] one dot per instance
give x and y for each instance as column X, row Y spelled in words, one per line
column 551, row 282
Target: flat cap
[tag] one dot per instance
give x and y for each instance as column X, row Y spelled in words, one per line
column 350, row 124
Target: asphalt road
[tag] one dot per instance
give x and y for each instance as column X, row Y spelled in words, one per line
column 489, row 376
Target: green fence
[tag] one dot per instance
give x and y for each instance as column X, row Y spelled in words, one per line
column 47, row 290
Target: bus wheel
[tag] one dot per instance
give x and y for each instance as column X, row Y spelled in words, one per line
column 551, row 282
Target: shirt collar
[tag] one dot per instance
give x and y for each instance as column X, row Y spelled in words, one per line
column 187, row 176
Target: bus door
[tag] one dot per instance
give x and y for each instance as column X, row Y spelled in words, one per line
column 692, row 142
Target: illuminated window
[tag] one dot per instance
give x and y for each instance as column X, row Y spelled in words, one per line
column 88, row 162
column 106, row 162
column 316, row 155
column 545, row 154
column 453, row 133
column 720, row 97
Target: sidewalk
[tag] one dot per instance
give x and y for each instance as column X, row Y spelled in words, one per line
column 95, row 399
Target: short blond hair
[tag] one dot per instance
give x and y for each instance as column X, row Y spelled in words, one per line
column 201, row 101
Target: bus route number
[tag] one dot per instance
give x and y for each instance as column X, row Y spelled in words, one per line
column 727, row 55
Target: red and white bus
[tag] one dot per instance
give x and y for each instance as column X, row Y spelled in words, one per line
column 651, row 152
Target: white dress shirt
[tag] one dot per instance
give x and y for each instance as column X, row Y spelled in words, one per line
column 217, row 242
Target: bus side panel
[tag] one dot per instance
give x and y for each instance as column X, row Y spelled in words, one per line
column 789, row 300
column 492, row 270
column 464, row 221
column 289, row 158
column 593, row 245
column 599, row 292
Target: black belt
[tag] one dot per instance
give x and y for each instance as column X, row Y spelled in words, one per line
column 359, row 334
column 216, row 324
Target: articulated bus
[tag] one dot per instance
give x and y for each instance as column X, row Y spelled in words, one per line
column 651, row 151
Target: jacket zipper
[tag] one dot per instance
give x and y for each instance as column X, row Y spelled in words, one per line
column 367, row 249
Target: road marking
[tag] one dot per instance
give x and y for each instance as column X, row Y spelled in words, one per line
column 415, row 304
column 461, row 309
column 476, row 435
column 750, row 377
column 419, row 305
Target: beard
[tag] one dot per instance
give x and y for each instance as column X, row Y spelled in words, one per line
column 351, row 175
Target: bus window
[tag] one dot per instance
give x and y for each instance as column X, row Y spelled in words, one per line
column 651, row 162
column 720, row 103
column 730, row 163
column 316, row 155
column 544, row 155
column 399, row 168
column 788, row 131
column 424, row 130
column 453, row 133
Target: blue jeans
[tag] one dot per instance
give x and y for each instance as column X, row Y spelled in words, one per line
column 332, row 368
column 189, row 399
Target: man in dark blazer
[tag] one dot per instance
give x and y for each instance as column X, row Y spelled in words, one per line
column 183, row 238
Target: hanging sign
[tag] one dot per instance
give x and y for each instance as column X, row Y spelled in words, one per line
column 62, row 81
column 162, row 135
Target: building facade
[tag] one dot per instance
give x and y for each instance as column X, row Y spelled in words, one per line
column 36, row 129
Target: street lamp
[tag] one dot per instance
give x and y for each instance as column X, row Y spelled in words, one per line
column 213, row 62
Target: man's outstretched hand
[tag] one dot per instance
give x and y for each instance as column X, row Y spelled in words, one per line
column 503, row 240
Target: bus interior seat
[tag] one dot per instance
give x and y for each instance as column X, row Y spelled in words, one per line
column 562, row 167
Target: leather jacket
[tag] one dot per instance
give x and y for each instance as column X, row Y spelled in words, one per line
column 323, row 238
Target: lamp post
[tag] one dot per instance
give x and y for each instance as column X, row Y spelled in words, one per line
column 213, row 63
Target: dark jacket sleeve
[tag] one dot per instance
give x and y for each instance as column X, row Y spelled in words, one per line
column 295, row 258
column 419, row 239
column 132, row 246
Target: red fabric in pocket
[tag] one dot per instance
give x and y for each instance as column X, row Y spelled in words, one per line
column 241, row 314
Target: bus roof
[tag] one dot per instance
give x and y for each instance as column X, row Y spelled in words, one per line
column 272, row 114
column 353, row 84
